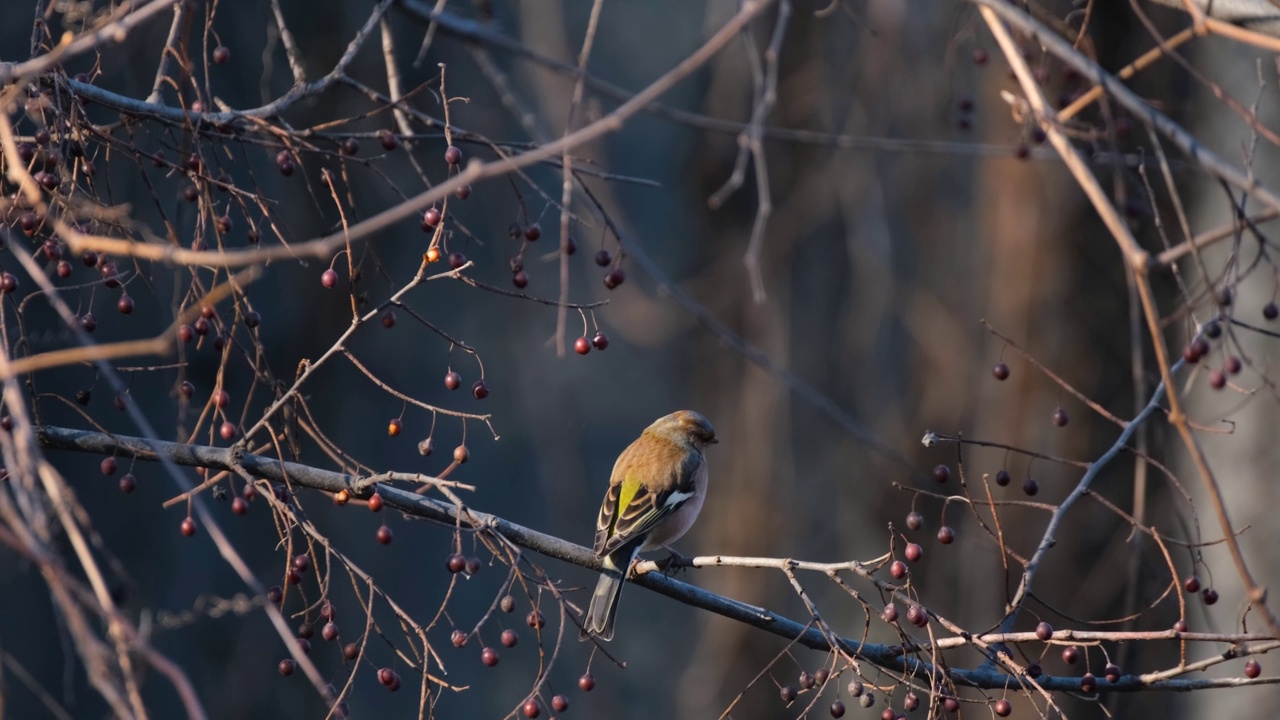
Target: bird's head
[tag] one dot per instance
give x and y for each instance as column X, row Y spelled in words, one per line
column 686, row 426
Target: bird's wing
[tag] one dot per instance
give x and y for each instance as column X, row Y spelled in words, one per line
column 633, row 506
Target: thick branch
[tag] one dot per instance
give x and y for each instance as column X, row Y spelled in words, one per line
column 299, row 475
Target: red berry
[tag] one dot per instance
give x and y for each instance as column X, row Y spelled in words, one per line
column 913, row 552
column 394, row 427
column 221, row 55
column 509, row 638
column 890, row 613
column 188, row 527
column 587, row 682
column 480, row 390
column 275, row 595
column 64, row 269
column 286, row 667
column 463, row 192
column 227, row 430
column 898, row 569
column 127, row 483
column 1209, row 595
column 1044, row 631
column 457, row 260
column 388, row 139
column 221, row 398
column 915, row 520
column 916, row 615
column 603, row 258
column 329, row 278
column 531, row 709
column 461, row 454
column 1030, row 486
column 1252, row 669
column 108, row 466
column 837, row 709
column 489, row 656
column 384, row 535
column 600, row 341
column 1217, row 379
column 1191, row 584
column 124, row 304
column 1002, row 707
column 1112, row 672
column 1070, row 654
column 533, row 232
column 1000, row 371
column 388, row 319
column 452, row 155
column 456, row 563
column 1088, row 683
column 1232, row 365
column 941, row 474
column 431, row 217
column 570, row 246
column 239, row 506
column 426, row 447
column 559, row 703
column 946, row 535
column 350, row 146
column 787, row 693
column 1003, row 478
column 375, row 502
column 535, row 620
column 1270, row 311
column 582, row 345
column 1060, row 417
column 614, row 278
column 520, row 279
column 452, row 380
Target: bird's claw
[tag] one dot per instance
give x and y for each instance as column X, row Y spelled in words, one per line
column 673, row 563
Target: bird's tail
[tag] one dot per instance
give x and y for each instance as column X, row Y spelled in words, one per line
column 604, row 601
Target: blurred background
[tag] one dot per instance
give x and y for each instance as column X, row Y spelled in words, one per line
column 879, row 261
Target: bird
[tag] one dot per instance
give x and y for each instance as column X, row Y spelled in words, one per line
column 655, row 493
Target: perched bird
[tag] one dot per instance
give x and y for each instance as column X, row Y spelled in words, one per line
column 655, row 493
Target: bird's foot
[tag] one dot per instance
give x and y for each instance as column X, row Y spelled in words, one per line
column 673, row 563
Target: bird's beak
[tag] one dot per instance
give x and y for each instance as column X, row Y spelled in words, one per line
column 713, row 441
